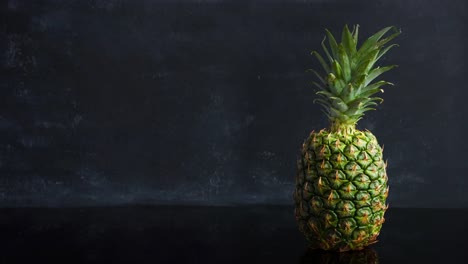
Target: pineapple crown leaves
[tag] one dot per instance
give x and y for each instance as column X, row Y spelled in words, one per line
column 347, row 89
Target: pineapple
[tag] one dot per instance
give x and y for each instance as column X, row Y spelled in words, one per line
column 341, row 181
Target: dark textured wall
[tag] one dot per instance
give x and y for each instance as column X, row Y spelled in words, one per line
column 110, row 102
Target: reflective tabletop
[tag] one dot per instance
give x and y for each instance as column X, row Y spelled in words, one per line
column 236, row 234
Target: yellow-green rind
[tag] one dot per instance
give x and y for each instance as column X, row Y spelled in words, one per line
column 341, row 189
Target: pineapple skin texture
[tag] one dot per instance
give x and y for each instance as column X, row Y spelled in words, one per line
column 341, row 189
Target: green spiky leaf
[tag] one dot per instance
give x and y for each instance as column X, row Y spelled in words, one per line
column 377, row 72
column 332, row 43
column 371, row 42
column 321, row 60
column 355, row 34
column 330, row 58
column 345, row 63
column 382, row 52
column 348, row 41
column 317, row 75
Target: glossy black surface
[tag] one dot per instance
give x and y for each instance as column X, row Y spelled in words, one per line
column 247, row 234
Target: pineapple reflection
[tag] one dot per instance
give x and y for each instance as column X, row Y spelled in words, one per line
column 316, row 256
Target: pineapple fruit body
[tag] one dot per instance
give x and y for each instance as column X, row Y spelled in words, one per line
column 341, row 188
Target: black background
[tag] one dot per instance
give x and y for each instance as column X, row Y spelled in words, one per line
column 207, row 102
